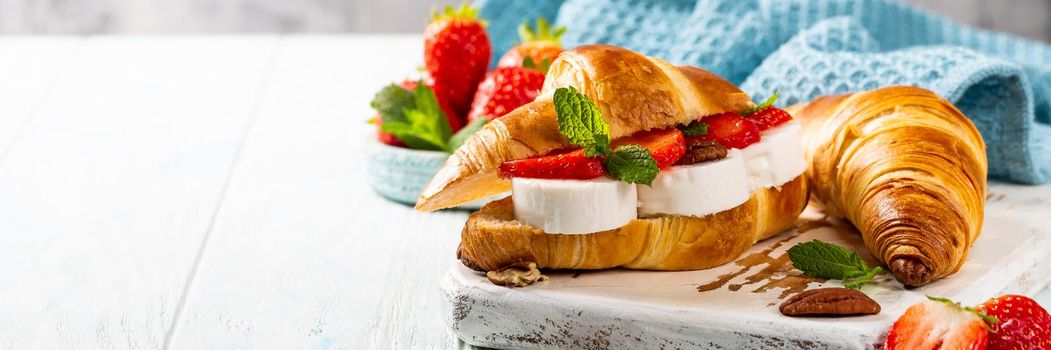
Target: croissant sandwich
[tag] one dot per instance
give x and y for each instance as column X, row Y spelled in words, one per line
column 623, row 161
column 906, row 168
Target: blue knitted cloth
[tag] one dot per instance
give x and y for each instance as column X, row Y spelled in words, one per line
column 806, row 49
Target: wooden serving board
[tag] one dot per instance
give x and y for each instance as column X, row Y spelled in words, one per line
column 735, row 306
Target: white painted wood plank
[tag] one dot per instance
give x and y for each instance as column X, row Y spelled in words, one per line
column 112, row 186
column 29, row 67
column 303, row 253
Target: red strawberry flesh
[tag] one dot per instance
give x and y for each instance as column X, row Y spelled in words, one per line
column 769, row 117
column 728, row 129
column 572, row 165
column 931, row 325
column 666, row 147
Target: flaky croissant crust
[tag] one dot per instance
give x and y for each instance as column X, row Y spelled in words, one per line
column 906, row 168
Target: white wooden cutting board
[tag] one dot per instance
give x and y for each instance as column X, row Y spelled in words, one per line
column 739, row 307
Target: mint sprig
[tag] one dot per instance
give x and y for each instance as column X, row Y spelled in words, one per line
column 769, row 102
column 826, row 260
column 415, row 118
column 632, row 164
column 581, row 122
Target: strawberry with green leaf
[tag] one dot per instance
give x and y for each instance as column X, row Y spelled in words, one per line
column 540, row 46
column 766, row 116
column 415, row 119
column 456, row 53
column 939, row 323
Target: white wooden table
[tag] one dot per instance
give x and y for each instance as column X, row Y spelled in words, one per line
column 207, row 192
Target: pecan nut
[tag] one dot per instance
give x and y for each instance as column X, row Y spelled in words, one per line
column 702, row 151
column 830, row 302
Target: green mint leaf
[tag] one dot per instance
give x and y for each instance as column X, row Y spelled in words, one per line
column 422, row 126
column 600, row 148
column 580, row 121
column 631, row 164
column 769, row 102
column 391, row 100
column 459, row 137
column 858, row 281
column 405, row 132
column 695, row 128
column 435, row 120
column 825, row 260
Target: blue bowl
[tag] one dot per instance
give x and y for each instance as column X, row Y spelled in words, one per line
column 399, row 174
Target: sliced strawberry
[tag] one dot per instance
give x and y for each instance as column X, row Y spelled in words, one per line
column 938, row 324
column 1022, row 323
column 503, row 90
column 728, row 129
column 666, row 146
column 769, row 117
column 572, row 165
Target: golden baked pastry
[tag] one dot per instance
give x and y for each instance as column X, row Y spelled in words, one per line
column 634, row 93
column 906, row 168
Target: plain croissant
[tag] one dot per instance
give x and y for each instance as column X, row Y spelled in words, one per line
column 906, row 168
column 634, row 93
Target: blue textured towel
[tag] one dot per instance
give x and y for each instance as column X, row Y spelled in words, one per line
column 806, row 49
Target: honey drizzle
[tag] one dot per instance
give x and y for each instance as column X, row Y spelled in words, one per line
column 781, row 266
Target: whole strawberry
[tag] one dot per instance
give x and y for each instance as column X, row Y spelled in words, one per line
column 1021, row 323
column 456, row 53
column 503, row 90
column 938, row 324
column 541, row 45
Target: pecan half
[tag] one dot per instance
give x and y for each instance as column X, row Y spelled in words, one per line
column 518, row 275
column 830, row 302
column 702, row 151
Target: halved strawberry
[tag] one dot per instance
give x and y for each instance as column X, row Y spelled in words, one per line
column 769, row 117
column 572, row 165
column 1022, row 323
column 728, row 129
column 666, row 146
column 938, row 324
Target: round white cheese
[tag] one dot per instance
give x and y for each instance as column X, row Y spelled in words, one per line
column 776, row 159
column 574, row 206
column 697, row 189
